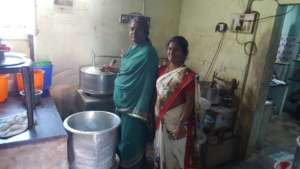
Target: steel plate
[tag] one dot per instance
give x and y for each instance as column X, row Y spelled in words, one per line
column 12, row 59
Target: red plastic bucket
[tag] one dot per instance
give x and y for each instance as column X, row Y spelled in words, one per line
column 3, row 87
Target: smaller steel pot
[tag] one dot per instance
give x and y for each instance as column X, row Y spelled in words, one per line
column 96, row 82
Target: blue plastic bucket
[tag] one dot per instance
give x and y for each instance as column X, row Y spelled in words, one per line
column 47, row 67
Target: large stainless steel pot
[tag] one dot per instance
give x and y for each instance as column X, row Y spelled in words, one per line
column 92, row 141
column 94, row 81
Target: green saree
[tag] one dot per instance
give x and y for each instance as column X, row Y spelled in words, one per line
column 134, row 88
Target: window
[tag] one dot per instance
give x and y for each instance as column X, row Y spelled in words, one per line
column 17, row 18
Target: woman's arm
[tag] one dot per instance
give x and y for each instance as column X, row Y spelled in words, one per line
column 187, row 112
column 188, row 108
column 109, row 69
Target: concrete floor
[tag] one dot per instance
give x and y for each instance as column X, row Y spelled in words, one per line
column 279, row 143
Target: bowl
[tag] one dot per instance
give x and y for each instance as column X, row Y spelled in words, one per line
column 36, row 98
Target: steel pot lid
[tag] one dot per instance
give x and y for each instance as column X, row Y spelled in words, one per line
column 12, row 59
column 94, row 70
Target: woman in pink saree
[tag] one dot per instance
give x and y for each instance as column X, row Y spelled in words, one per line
column 174, row 109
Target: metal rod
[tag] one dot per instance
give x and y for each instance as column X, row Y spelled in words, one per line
column 105, row 56
column 296, row 163
column 29, row 94
column 249, row 6
column 93, row 59
column 31, row 47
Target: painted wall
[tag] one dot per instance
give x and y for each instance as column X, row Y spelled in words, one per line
column 67, row 36
column 19, row 45
column 197, row 24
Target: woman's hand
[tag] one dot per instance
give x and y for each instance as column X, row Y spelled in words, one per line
column 106, row 68
column 180, row 132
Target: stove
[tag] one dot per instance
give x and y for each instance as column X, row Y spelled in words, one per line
column 85, row 102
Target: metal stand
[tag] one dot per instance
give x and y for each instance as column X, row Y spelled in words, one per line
column 296, row 163
column 22, row 65
column 29, row 93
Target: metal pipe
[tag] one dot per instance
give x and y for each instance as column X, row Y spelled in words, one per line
column 29, row 93
column 31, row 47
column 105, row 56
column 296, row 163
column 249, row 6
column 93, row 58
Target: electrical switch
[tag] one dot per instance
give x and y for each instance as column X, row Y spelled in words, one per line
column 243, row 23
column 221, row 27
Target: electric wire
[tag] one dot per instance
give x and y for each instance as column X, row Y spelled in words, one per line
column 250, row 2
column 277, row 2
column 237, row 40
column 242, row 4
column 253, row 50
column 277, row 15
column 144, row 2
column 246, row 44
column 215, row 56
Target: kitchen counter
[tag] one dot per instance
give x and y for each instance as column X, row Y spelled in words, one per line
column 33, row 148
column 48, row 124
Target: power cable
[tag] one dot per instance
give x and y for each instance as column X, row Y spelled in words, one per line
column 237, row 40
column 144, row 5
column 246, row 44
column 277, row 2
column 278, row 15
column 241, row 4
column 252, row 45
column 220, row 44
column 249, row 5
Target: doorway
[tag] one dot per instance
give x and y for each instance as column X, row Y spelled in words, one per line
column 281, row 114
column 277, row 121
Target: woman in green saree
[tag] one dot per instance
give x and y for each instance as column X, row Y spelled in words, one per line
column 133, row 91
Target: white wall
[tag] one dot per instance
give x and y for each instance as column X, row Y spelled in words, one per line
column 71, row 34
column 67, row 36
column 197, row 23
